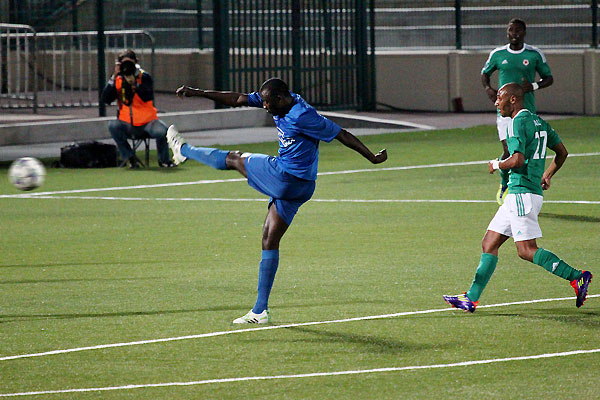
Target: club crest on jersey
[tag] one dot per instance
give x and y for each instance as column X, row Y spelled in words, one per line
column 526, row 62
column 505, row 62
column 285, row 141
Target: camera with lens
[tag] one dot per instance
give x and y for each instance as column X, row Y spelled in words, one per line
column 127, row 68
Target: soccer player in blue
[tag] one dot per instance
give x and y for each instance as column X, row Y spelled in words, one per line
column 289, row 179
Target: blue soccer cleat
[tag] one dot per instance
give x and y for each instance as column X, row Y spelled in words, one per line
column 581, row 287
column 461, row 301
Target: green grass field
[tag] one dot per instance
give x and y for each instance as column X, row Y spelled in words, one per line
column 84, row 269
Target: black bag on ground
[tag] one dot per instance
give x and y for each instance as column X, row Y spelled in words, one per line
column 88, row 155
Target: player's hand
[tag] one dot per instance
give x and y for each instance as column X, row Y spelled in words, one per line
column 493, row 165
column 491, row 94
column 526, row 85
column 380, row 157
column 185, row 91
column 545, row 183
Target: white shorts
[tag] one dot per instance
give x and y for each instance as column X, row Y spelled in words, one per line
column 502, row 123
column 518, row 217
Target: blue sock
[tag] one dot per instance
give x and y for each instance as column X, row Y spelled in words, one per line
column 206, row 155
column 266, row 276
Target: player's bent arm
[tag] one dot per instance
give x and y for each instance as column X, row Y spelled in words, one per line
column 545, row 82
column 515, row 161
column 352, row 142
column 231, row 99
column 555, row 165
column 490, row 91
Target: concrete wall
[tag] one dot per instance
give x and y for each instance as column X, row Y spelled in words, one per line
column 97, row 128
column 429, row 81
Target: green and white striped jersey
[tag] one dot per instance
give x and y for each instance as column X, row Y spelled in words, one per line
column 529, row 135
column 514, row 65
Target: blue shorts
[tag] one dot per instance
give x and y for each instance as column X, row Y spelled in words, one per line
column 287, row 191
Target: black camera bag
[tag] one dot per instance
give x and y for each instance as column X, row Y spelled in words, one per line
column 88, row 155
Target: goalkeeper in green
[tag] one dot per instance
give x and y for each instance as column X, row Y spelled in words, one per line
column 515, row 62
column 527, row 138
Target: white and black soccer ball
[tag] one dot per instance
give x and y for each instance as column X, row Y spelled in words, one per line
column 26, row 173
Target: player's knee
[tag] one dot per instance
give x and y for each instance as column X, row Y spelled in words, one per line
column 526, row 253
column 269, row 241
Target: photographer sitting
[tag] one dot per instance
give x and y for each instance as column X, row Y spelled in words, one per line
column 132, row 88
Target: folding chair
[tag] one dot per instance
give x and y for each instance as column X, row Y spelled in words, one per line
column 136, row 141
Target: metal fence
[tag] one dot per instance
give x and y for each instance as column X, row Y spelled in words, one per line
column 60, row 69
column 18, row 81
column 399, row 24
column 471, row 24
column 320, row 48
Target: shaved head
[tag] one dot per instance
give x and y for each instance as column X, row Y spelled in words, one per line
column 513, row 89
column 509, row 100
column 275, row 87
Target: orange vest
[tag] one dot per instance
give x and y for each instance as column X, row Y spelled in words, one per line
column 137, row 113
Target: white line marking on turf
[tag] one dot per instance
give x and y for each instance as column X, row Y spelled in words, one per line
column 271, row 327
column 310, row 375
column 312, row 200
column 210, row 181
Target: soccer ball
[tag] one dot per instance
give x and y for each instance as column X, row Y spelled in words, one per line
column 26, row 173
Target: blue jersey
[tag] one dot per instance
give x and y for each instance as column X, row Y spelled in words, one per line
column 300, row 131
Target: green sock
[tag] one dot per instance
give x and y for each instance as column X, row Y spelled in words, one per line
column 484, row 272
column 551, row 263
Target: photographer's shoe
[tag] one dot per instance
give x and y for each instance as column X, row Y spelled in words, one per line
column 133, row 163
column 168, row 164
column 175, row 142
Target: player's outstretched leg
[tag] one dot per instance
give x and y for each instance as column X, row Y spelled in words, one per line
column 175, row 142
column 206, row 155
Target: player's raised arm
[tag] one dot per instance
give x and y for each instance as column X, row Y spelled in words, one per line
column 231, row 99
column 352, row 142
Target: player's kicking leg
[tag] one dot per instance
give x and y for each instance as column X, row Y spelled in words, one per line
column 212, row 157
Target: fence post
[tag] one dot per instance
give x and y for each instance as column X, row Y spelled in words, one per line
column 296, row 46
column 221, row 45
column 360, row 32
column 594, row 24
column 458, row 23
column 199, row 24
column 101, row 60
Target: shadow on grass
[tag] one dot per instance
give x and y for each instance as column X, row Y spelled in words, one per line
column 74, row 264
column 242, row 308
column 578, row 218
column 33, row 281
column 371, row 343
column 37, row 317
column 588, row 319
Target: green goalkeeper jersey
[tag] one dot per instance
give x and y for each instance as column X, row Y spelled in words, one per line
column 513, row 65
column 529, row 135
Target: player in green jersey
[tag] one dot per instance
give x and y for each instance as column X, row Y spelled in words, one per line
column 515, row 62
column 528, row 137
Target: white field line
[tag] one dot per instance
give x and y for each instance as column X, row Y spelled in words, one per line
column 312, row 200
column 310, row 375
column 203, row 182
column 272, row 327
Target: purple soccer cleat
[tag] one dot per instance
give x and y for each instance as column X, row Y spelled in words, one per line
column 581, row 287
column 461, row 301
